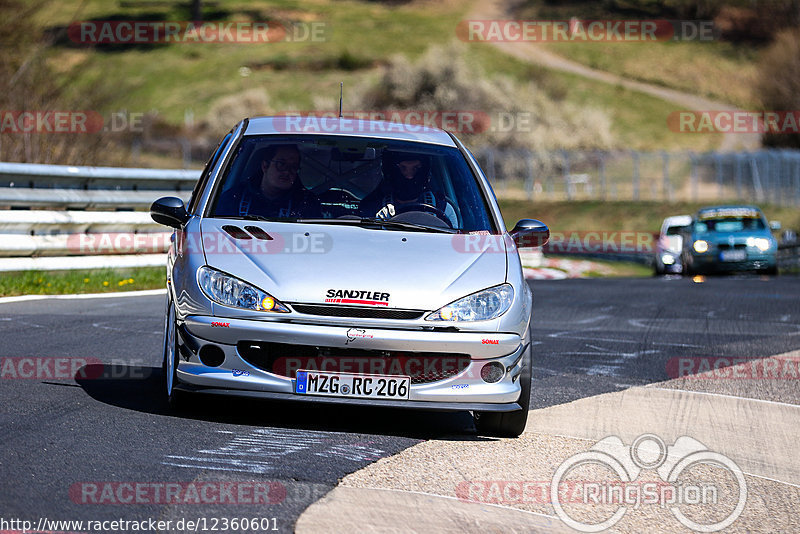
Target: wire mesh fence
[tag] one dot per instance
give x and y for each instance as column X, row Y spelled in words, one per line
column 771, row 176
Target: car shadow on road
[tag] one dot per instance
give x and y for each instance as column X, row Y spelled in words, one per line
column 139, row 388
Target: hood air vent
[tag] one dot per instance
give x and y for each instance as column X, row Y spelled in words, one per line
column 236, row 232
column 258, row 233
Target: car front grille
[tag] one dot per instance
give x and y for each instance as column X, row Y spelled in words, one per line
column 284, row 360
column 728, row 246
column 356, row 311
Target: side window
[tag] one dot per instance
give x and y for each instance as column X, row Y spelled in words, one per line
column 201, row 182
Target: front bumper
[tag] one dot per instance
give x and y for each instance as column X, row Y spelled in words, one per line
column 465, row 390
column 712, row 262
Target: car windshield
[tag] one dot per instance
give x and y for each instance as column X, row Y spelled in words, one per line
column 675, row 230
column 325, row 178
column 729, row 224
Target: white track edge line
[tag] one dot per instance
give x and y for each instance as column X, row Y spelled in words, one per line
column 722, row 395
column 142, row 293
column 454, row 499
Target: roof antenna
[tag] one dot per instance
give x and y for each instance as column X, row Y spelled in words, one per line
column 341, row 94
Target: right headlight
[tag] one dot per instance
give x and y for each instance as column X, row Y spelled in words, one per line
column 481, row 306
column 700, row 246
column 227, row 290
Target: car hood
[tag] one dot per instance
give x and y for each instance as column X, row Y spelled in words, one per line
column 314, row 263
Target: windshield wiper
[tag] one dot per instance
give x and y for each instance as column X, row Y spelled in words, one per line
column 248, row 218
column 380, row 223
column 410, row 226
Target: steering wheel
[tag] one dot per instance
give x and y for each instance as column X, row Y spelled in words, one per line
column 421, row 206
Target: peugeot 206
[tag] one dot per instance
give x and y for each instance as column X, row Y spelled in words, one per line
column 348, row 261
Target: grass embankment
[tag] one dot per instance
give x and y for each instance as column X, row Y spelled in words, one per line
column 361, row 36
column 84, row 281
column 711, row 68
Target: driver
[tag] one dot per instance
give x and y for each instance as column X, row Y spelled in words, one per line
column 274, row 189
column 406, row 184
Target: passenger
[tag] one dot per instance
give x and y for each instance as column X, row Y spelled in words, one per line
column 274, row 190
column 406, row 184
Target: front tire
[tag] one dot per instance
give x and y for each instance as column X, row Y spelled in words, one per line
column 770, row 271
column 169, row 365
column 508, row 424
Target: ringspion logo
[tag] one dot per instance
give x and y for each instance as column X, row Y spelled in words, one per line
column 704, row 490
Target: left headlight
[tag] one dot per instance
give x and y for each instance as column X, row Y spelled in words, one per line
column 230, row 291
column 760, row 243
column 481, row 306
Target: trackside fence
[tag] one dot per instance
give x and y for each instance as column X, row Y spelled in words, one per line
column 769, row 176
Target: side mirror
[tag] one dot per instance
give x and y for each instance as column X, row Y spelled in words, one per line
column 530, row 233
column 775, row 225
column 169, row 211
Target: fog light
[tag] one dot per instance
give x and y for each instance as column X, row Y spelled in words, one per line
column 667, row 259
column 212, row 355
column 492, row 372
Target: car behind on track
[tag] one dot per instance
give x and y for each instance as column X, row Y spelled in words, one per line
column 729, row 239
column 669, row 245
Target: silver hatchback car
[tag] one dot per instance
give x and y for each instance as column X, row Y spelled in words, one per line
column 348, row 261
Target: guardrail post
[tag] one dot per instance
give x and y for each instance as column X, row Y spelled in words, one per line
column 759, row 188
column 797, row 179
column 490, row 164
column 529, row 170
column 737, row 175
column 566, row 173
column 602, row 173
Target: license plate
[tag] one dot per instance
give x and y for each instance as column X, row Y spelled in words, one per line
column 733, row 255
column 352, row 385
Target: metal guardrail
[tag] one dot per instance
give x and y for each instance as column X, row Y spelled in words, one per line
column 68, row 233
column 25, row 185
column 60, row 237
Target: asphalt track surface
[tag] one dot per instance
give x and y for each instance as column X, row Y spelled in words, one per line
column 62, row 434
